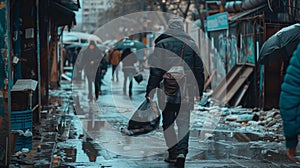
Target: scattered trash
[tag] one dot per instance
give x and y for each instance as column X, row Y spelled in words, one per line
column 232, row 117
column 247, row 117
column 25, row 150
column 56, row 160
column 208, row 136
column 27, row 133
column 205, row 100
column 39, row 148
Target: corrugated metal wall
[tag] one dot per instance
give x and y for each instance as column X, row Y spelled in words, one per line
column 293, row 8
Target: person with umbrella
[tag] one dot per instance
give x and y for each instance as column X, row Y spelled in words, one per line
column 289, row 104
column 281, row 45
column 126, row 43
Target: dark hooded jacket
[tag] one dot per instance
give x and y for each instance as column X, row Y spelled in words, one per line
column 167, row 52
column 290, row 101
column 89, row 56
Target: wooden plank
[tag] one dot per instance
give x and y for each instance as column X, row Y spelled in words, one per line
column 208, row 81
column 222, row 88
column 231, row 84
column 237, row 85
column 241, row 95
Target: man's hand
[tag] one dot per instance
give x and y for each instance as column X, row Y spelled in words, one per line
column 291, row 152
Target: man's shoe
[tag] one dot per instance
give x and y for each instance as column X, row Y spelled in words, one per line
column 171, row 158
column 180, row 161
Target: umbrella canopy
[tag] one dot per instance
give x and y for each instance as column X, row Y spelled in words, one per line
column 84, row 46
column 280, row 45
column 129, row 44
column 73, row 46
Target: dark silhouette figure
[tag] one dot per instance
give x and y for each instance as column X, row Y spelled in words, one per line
column 91, row 58
column 171, row 48
column 114, row 58
column 129, row 59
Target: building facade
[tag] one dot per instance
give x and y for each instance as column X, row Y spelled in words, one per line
column 91, row 13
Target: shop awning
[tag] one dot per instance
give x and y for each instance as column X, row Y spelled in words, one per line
column 70, row 4
column 61, row 15
column 244, row 14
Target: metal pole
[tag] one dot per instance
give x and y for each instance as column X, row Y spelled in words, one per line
column 255, row 67
column 38, row 56
column 9, row 69
column 227, row 50
column 61, row 57
column 7, row 152
column 17, row 42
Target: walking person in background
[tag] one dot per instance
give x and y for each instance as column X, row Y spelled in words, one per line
column 76, row 65
column 114, row 58
column 99, row 77
column 174, row 43
column 141, row 54
column 290, row 105
column 90, row 61
column 78, row 49
column 68, row 58
column 129, row 59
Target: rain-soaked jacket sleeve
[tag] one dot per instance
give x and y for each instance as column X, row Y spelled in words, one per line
column 199, row 73
column 156, row 71
column 156, row 76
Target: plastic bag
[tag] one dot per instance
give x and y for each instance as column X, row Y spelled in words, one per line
column 145, row 119
column 138, row 77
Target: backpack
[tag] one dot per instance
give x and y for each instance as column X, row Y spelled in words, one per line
column 115, row 58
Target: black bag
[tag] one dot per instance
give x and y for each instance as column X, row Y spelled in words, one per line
column 138, row 77
column 145, row 119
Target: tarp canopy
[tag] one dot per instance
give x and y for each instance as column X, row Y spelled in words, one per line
column 61, row 15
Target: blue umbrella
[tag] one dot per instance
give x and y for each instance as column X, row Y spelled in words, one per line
column 129, row 44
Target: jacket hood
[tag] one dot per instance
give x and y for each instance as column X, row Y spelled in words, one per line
column 176, row 23
column 180, row 34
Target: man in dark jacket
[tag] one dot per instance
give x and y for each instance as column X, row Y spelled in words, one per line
column 90, row 61
column 290, row 105
column 169, row 47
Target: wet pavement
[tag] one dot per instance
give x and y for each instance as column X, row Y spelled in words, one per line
column 78, row 133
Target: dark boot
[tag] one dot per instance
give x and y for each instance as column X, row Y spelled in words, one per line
column 172, row 155
column 180, row 160
column 130, row 88
column 171, row 158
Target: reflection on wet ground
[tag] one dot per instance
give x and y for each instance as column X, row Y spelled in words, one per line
column 225, row 147
column 92, row 138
